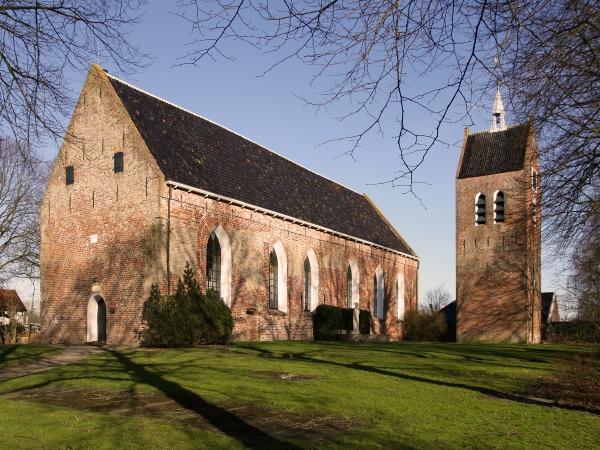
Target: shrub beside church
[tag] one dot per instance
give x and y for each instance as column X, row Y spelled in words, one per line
column 186, row 318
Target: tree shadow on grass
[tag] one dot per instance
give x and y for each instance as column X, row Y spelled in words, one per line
column 303, row 357
column 4, row 352
column 223, row 420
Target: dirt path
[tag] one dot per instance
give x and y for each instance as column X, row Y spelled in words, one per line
column 71, row 354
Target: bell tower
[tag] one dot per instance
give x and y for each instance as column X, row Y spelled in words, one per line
column 498, row 240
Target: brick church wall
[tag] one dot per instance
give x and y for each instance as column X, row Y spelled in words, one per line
column 106, row 235
column 252, row 235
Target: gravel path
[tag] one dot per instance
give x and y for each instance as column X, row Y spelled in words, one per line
column 70, row 354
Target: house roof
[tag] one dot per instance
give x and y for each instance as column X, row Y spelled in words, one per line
column 490, row 152
column 449, row 312
column 10, row 301
column 194, row 151
column 547, row 299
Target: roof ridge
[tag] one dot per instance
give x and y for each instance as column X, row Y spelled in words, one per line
column 227, row 129
column 508, row 127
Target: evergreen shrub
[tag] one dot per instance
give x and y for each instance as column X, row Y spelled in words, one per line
column 186, row 318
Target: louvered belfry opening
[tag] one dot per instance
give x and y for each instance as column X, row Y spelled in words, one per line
column 480, row 210
column 499, row 207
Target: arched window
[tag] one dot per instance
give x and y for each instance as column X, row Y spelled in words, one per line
column 400, row 288
column 307, row 289
column 352, row 284
column 349, row 287
column 498, row 207
column 213, row 264
column 278, row 278
column 311, row 281
column 378, row 292
column 218, row 264
column 480, row 209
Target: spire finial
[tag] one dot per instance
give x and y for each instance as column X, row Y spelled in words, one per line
column 498, row 122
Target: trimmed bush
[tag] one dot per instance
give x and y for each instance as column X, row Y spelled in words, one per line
column 328, row 319
column 187, row 318
column 424, row 326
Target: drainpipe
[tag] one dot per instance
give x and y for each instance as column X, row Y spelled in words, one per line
column 169, row 242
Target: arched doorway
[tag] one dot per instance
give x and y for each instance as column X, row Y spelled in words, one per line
column 96, row 319
column 101, row 319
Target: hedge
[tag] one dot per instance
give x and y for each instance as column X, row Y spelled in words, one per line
column 573, row 332
column 328, row 319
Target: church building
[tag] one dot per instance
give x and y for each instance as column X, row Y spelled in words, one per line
column 498, row 239
column 140, row 187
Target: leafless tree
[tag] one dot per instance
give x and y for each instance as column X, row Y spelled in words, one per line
column 386, row 60
column 41, row 44
column 436, row 298
column 583, row 288
column 22, row 180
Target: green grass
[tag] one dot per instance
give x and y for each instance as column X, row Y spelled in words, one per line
column 401, row 395
column 11, row 355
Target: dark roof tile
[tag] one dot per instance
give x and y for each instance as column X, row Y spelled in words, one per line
column 197, row 152
column 490, row 152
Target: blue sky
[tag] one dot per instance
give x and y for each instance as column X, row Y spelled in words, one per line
column 267, row 110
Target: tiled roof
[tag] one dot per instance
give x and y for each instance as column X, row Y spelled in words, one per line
column 547, row 298
column 194, row 151
column 489, row 152
column 10, row 301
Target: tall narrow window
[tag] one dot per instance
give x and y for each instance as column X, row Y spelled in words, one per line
column 349, row 287
column 375, row 302
column 480, row 209
column 307, row 287
column 499, row 207
column 118, row 162
column 70, row 174
column 535, row 179
column 273, row 275
column 213, row 264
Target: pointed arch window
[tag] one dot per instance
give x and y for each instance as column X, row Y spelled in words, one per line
column 499, row 207
column 375, row 295
column 273, row 278
column 307, row 283
column 378, row 292
column 349, row 287
column 480, row 209
column 400, row 292
column 213, row 264
column 352, row 284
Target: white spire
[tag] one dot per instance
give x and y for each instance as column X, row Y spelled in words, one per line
column 498, row 123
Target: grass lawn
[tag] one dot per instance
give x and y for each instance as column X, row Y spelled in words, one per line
column 11, row 355
column 300, row 395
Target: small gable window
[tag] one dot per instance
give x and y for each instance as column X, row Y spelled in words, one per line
column 70, row 175
column 273, row 275
column 480, row 209
column 118, row 162
column 499, row 207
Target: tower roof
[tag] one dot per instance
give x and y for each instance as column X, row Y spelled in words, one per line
column 489, row 152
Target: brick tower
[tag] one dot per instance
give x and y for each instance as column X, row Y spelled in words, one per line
column 498, row 240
